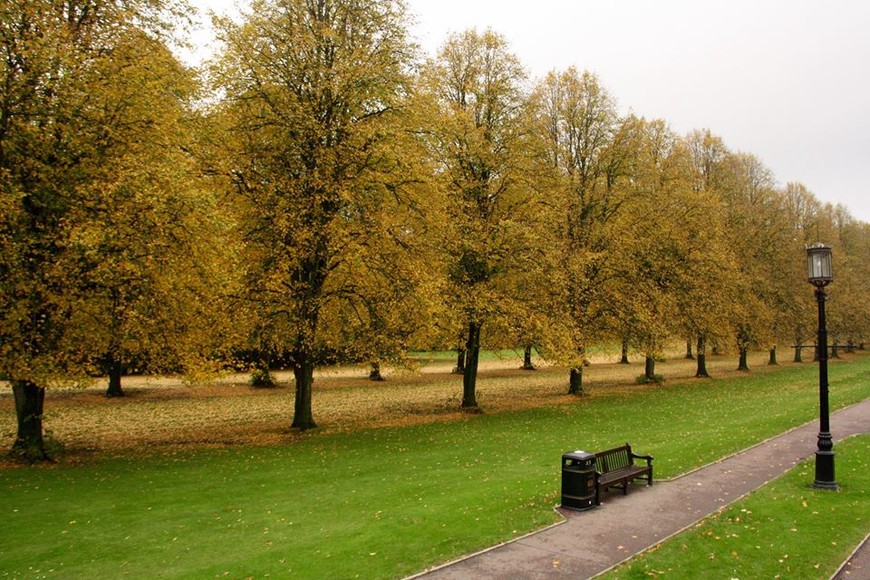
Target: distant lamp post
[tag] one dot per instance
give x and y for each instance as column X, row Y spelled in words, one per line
column 820, row 274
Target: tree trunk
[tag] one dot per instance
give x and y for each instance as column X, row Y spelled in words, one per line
column 689, row 355
column 29, row 402
column 701, row 371
column 835, row 350
column 375, row 372
column 115, row 372
column 575, row 381
column 623, row 359
column 472, row 356
column 772, row 360
column 303, row 372
column 527, row 360
column 649, row 368
column 797, row 354
column 744, row 356
column 459, row 369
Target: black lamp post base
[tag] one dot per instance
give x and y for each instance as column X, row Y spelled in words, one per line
column 825, row 471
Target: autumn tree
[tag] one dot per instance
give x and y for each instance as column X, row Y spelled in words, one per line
column 585, row 153
column 803, row 215
column 758, row 234
column 810, row 221
column 705, row 281
column 476, row 142
column 705, row 308
column 315, row 99
column 47, row 147
column 848, row 318
column 148, row 243
column 653, row 249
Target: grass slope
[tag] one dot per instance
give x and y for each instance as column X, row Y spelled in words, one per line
column 376, row 503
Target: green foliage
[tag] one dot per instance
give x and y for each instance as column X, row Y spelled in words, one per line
column 380, row 503
column 785, row 529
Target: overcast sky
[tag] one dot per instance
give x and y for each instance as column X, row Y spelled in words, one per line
column 785, row 80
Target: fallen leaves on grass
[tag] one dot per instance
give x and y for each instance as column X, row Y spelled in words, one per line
column 163, row 413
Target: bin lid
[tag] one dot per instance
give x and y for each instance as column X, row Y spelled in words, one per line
column 578, row 455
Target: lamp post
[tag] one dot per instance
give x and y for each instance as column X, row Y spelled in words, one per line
column 820, row 274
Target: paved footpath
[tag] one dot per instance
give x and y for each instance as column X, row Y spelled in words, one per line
column 588, row 543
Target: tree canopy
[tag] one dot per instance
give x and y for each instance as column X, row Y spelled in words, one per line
column 320, row 152
column 320, row 193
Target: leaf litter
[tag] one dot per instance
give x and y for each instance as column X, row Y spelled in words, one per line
column 162, row 414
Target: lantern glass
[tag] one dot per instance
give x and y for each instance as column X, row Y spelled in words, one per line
column 819, row 268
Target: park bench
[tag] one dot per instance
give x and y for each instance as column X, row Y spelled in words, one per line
column 616, row 468
column 834, row 348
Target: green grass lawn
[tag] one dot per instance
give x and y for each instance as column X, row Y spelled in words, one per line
column 783, row 530
column 379, row 503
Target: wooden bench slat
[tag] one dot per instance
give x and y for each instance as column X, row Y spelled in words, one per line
column 616, row 468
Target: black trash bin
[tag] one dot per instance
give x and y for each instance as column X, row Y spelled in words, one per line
column 578, row 480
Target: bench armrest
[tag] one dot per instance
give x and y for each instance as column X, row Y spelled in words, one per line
column 647, row 458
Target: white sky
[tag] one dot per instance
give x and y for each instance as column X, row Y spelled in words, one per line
column 785, row 80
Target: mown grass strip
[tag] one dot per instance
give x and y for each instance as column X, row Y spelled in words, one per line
column 379, row 503
column 786, row 529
